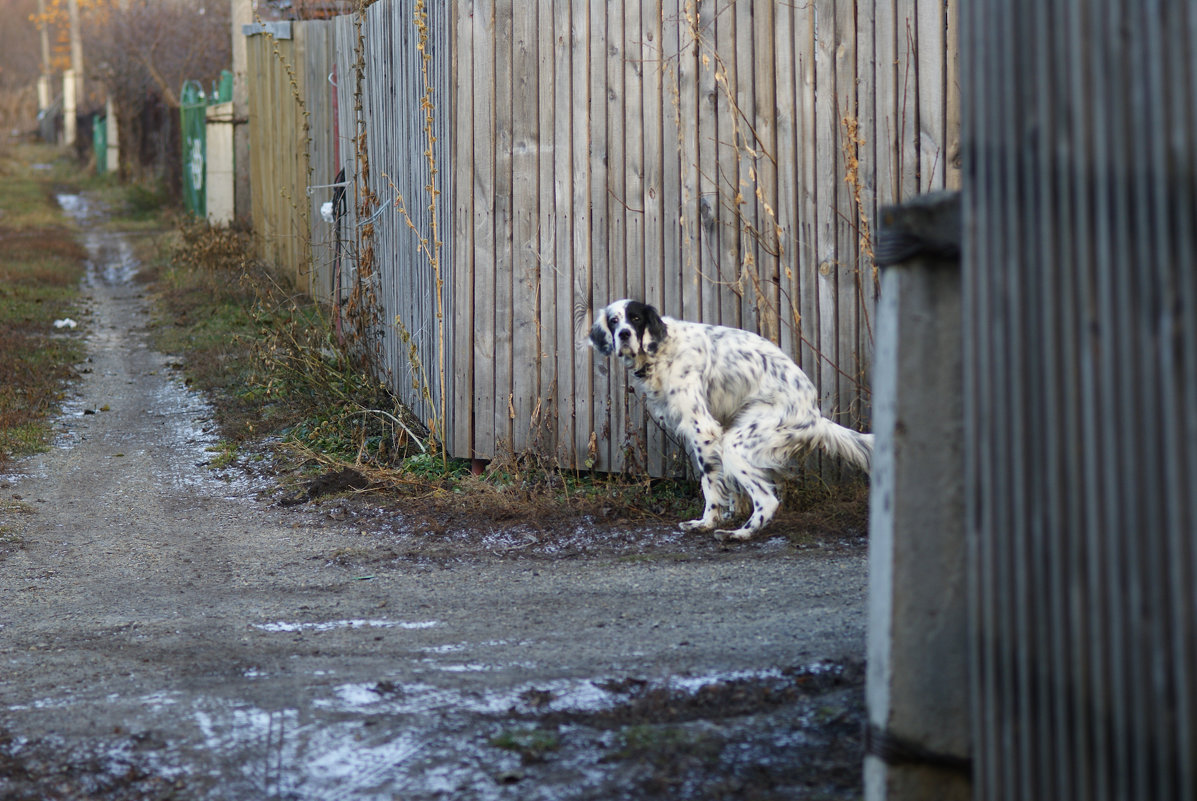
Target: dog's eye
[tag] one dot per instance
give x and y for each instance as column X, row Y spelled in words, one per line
column 635, row 318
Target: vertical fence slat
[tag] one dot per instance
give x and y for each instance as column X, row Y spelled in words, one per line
column 689, row 305
column 931, row 86
column 827, row 181
column 601, row 381
column 765, row 186
column 559, row 294
column 806, row 266
column 504, row 310
column 648, row 58
column 576, row 310
column 485, row 265
column 632, row 195
column 616, row 218
column 673, row 254
column 530, row 339
column 463, row 228
column 546, row 256
column 730, row 273
column 786, row 157
column 952, row 154
column 850, row 372
column 866, row 192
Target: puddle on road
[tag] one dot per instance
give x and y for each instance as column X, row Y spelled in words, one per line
column 75, row 205
column 110, row 257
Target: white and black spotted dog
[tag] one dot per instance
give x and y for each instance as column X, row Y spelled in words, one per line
column 742, row 407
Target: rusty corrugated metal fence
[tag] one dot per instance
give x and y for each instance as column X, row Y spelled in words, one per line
column 1080, row 135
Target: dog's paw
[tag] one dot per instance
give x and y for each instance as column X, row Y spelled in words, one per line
column 695, row 525
column 734, row 535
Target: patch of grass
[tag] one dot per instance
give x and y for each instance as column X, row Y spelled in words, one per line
column 662, row 745
column 142, row 202
column 433, row 469
column 39, row 283
column 30, row 175
column 224, row 454
column 532, row 744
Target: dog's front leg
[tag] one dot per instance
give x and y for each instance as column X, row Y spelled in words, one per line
column 715, row 496
column 704, row 438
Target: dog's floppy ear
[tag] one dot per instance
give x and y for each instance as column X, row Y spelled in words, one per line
column 600, row 335
column 655, row 327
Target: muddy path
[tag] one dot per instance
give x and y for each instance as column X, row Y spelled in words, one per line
column 167, row 631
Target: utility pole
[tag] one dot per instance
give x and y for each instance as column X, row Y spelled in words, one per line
column 112, row 161
column 43, row 81
column 72, row 79
column 76, row 40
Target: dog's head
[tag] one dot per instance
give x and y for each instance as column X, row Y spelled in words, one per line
column 627, row 328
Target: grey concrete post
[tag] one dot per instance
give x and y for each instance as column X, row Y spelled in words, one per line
column 112, row 134
column 918, row 733
column 70, row 99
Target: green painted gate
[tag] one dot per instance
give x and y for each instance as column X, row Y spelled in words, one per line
column 193, row 108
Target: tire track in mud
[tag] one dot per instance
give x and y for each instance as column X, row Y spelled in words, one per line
column 166, row 634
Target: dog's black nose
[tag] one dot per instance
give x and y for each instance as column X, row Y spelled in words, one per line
column 625, row 334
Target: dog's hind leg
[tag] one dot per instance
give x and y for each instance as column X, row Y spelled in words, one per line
column 740, row 465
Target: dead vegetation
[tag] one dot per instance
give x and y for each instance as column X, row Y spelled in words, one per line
column 281, row 383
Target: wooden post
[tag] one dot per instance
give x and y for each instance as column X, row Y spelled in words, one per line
column 242, row 13
column 917, row 740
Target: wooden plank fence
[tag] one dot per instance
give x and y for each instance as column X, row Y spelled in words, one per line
column 290, row 113
column 722, row 160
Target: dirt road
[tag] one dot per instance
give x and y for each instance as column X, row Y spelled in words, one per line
column 165, row 632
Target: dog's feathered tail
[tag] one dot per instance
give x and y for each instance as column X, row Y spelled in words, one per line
column 851, row 446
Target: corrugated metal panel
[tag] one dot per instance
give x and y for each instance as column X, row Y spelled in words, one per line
column 1081, row 395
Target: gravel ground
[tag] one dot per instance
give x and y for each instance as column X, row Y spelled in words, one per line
column 169, row 631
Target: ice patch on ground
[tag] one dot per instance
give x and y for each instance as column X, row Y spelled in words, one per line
column 345, row 624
